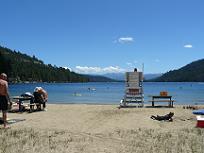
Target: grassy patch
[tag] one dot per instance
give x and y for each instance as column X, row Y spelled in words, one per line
column 119, row 141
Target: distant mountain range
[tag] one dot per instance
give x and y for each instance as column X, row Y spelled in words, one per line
column 192, row 72
column 99, row 78
column 115, row 76
column 121, row 76
column 152, row 76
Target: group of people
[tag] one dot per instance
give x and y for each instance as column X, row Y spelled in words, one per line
column 4, row 97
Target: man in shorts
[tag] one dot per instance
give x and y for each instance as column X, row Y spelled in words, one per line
column 4, row 97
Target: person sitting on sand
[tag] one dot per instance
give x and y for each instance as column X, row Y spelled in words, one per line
column 41, row 96
column 167, row 117
column 4, row 97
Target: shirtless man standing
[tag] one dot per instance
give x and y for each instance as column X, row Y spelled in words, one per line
column 4, row 97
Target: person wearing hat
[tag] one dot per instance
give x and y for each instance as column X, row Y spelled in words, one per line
column 43, row 95
column 4, row 97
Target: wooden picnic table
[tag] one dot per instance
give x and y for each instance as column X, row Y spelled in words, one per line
column 159, row 98
column 21, row 99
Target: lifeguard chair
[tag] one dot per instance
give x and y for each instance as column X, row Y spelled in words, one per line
column 133, row 90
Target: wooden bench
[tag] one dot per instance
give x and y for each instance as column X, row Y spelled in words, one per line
column 20, row 100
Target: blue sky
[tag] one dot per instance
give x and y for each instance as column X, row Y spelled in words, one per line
column 100, row 36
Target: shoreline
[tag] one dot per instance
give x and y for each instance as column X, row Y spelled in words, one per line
column 163, row 104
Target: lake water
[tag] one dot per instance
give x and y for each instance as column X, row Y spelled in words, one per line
column 111, row 93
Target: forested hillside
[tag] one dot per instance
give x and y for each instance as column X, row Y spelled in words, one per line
column 193, row 72
column 21, row 67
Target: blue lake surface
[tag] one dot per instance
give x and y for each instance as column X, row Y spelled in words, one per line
column 111, row 92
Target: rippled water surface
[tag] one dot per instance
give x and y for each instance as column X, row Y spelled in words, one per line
column 111, row 93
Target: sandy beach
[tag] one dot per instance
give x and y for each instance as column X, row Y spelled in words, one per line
column 102, row 118
column 103, row 128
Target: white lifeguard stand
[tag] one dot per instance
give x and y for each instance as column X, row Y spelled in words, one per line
column 133, row 90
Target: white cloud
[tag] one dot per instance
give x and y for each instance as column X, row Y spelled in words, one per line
column 67, row 68
column 112, row 69
column 125, row 40
column 86, row 69
column 98, row 70
column 188, row 46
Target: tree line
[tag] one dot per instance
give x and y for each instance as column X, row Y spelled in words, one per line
column 193, row 72
column 21, row 67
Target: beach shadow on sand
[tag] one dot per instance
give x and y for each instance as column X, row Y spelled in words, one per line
column 11, row 121
column 159, row 106
column 25, row 110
